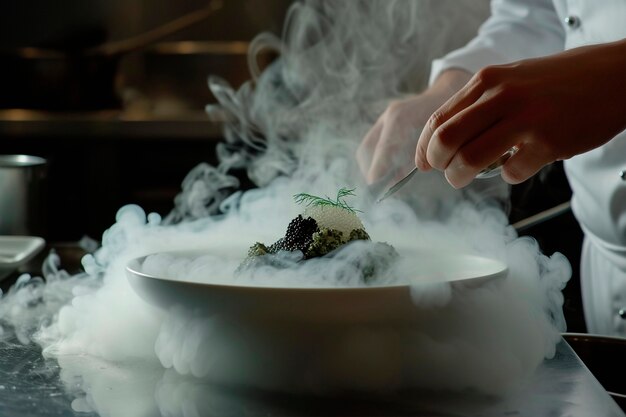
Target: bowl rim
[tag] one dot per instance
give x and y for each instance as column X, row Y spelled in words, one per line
column 132, row 268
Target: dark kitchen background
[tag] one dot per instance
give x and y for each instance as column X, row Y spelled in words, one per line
column 128, row 131
column 140, row 126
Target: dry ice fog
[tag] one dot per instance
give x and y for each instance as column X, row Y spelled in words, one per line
column 296, row 129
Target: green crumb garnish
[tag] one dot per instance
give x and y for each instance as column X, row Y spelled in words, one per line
column 258, row 249
column 358, row 234
column 327, row 240
column 339, row 201
column 324, row 241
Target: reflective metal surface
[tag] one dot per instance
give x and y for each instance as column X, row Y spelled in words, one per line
column 85, row 386
column 603, row 355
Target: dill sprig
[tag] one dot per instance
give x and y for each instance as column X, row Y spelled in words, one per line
column 339, row 201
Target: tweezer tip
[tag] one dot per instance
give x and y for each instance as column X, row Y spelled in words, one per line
column 387, row 194
column 397, row 185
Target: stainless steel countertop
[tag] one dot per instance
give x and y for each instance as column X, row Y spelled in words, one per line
column 109, row 124
column 85, row 386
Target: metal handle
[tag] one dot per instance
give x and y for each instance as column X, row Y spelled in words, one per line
column 144, row 39
column 496, row 168
column 543, row 216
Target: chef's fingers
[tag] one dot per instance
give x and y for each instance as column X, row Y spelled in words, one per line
column 389, row 152
column 479, row 153
column 525, row 163
column 459, row 131
column 464, row 98
column 366, row 150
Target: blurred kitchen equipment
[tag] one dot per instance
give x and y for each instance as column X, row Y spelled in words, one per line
column 176, row 72
column 542, row 216
column 16, row 251
column 22, row 198
column 78, row 79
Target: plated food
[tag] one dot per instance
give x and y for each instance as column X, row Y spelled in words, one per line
column 324, row 268
column 326, row 227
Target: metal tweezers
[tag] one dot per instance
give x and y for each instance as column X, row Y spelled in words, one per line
column 491, row 171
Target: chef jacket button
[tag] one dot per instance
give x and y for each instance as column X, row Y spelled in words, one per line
column 622, row 313
column 622, row 175
column 572, row 21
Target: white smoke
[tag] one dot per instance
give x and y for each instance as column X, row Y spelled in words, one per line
column 296, row 130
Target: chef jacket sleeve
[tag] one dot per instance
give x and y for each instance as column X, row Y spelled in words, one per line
column 517, row 29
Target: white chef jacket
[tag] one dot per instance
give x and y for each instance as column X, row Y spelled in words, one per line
column 519, row 29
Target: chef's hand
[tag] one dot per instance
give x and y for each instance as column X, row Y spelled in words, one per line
column 390, row 143
column 552, row 108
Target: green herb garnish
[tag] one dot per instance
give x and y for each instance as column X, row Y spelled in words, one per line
column 313, row 200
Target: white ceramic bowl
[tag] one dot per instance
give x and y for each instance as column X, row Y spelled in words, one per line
column 367, row 304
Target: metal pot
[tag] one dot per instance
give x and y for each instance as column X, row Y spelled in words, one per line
column 22, row 198
column 81, row 79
